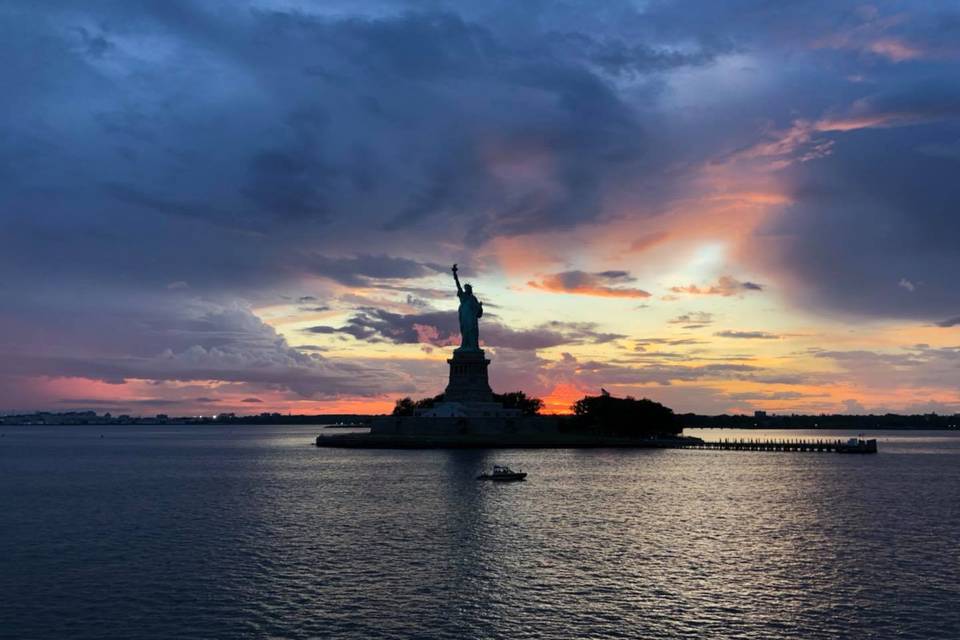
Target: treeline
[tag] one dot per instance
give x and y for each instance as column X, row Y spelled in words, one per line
column 279, row 418
column 92, row 418
column 822, row 421
column 600, row 415
column 514, row 400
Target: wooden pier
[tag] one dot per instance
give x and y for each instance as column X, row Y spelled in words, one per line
column 792, row 445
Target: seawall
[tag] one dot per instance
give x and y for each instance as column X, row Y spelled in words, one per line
column 499, row 441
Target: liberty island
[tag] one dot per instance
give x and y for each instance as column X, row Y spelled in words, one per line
column 468, row 413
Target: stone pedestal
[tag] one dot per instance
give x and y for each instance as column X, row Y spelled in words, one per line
column 467, row 408
column 468, row 378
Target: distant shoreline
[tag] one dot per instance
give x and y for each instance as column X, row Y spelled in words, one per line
column 758, row 421
column 92, row 418
column 177, row 423
column 323, row 425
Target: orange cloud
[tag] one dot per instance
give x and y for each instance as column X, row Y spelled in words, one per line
column 753, row 197
column 869, row 121
column 800, row 141
column 590, row 284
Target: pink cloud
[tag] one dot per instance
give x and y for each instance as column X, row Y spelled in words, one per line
column 589, row 284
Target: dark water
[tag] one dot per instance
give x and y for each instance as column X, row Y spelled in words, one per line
column 250, row 532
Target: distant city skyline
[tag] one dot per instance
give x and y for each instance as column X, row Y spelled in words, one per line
column 253, row 207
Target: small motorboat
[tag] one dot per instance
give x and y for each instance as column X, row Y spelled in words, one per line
column 502, row 473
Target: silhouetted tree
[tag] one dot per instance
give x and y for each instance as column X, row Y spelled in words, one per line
column 514, row 400
column 519, row 400
column 403, row 407
column 408, row 406
column 624, row 416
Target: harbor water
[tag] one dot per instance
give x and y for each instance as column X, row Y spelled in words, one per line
column 252, row 532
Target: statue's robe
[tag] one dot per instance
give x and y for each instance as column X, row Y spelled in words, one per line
column 470, row 311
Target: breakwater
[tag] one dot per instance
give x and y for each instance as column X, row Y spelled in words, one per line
column 798, row 445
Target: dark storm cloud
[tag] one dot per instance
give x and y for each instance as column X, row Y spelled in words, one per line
column 169, row 124
column 877, row 212
column 593, row 374
column 157, row 156
column 917, row 366
column 360, row 270
column 321, row 329
column 849, row 32
column 441, row 328
column 878, row 206
column 205, row 342
column 308, row 132
column 132, row 196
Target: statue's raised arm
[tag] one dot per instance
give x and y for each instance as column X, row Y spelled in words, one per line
column 456, row 279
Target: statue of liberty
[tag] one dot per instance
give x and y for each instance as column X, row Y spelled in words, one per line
column 470, row 311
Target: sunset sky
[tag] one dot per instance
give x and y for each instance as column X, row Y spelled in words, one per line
column 254, row 205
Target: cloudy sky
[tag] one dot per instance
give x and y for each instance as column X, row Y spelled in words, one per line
column 253, row 205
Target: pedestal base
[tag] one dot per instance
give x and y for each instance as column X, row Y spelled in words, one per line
column 465, row 426
column 468, row 378
column 447, row 409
